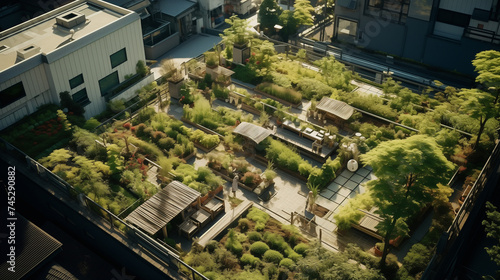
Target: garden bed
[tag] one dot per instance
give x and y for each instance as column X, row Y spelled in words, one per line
column 278, row 97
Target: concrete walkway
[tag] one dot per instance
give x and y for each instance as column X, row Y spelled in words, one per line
column 193, row 47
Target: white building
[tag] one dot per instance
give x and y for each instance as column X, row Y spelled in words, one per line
column 89, row 48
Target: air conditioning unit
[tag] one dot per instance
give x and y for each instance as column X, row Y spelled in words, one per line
column 28, row 51
column 71, row 19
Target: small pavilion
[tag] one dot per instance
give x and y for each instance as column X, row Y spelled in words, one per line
column 253, row 134
column 154, row 214
column 334, row 110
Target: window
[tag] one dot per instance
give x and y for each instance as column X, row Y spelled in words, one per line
column 395, row 10
column 420, row 9
column 453, row 18
column 347, row 27
column 118, row 58
column 81, row 97
column 12, row 94
column 76, row 81
column 108, row 82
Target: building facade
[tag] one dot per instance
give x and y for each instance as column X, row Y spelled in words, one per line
column 442, row 33
column 87, row 48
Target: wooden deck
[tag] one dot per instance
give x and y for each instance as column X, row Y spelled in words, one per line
column 224, row 222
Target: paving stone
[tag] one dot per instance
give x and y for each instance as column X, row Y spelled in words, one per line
column 337, row 198
column 334, row 187
column 340, row 180
column 344, row 191
column 363, row 172
column 326, row 193
column 357, row 178
column 346, row 173
column 351, row 185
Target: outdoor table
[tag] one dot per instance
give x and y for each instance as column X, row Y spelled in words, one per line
column 201, row 216
column 188, row 228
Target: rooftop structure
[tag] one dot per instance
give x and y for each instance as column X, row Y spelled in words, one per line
column 254, row 132
column 157, row 211
column 337, row 108
column 86, row 48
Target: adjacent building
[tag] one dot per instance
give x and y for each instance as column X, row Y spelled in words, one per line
column 434, row 32
column 89, row 48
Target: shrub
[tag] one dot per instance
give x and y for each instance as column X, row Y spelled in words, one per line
column 166, row 143
column 275, row 241
column 294, row 256
column 212, row 245
column 254, row 236
column 286, row 94
column 259, row 217
column 259, row 248
column 232, row 243
column 244, row 224
column 248, row 259
column 273, row 256
column 416, row 259
column 312, row 88
column 91, row 124
column 301, row 248
column 288, row 263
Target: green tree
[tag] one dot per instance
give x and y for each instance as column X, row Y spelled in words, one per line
column 492, row 228
column 408, row 172
column 480, row 105
column 289, row 24
column 68, row 102
column 303, row 12
column 269, row 12
column 237, row 32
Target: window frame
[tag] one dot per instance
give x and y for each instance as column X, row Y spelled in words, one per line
column 118, row 55
column 72, row 85
column 6, row 100
column 114, row 74
column 376, row 7
column 82, row 101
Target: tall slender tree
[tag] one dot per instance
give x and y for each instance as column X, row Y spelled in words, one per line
column 303, row 12
column 408, row 172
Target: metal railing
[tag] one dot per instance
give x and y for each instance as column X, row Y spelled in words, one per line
column 451, row 241
column 129, row 232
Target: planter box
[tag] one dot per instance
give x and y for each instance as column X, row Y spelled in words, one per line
column 250, row 109
column 213, row 72
column 286, row 170
column 202, row 128
column 201, row 147
column 284, row 102
column 240, row 53
column 229, row 179
column 174, row 88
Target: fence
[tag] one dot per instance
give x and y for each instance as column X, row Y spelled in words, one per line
column 451, row 242
column 128, row 232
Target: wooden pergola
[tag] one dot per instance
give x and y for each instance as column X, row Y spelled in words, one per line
column 335, row 110
column 156, row 212
column 253, row 132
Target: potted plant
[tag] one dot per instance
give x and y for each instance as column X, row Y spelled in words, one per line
column 175, row 82
column 379, row 249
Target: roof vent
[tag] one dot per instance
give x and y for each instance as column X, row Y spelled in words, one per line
column 28, row 51
column 70, row 19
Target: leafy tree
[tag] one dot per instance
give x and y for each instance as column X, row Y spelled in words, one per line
column 407, row 173
column 480, row 105
column 237, row 32
column 303, row 12
column 289, row 23
column 487, row 64
column 335, row 73
column 269, row 12
column 68, row 102
column 492, row 228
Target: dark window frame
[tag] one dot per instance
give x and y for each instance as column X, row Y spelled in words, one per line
column 12, row 94
column 399, row 15
column 82, row 100
column 76, row 81
column 107, row 88
column 118, row 58
column 453, row 18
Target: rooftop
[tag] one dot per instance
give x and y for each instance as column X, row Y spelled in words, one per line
column 52, row 30
column 161, row 208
